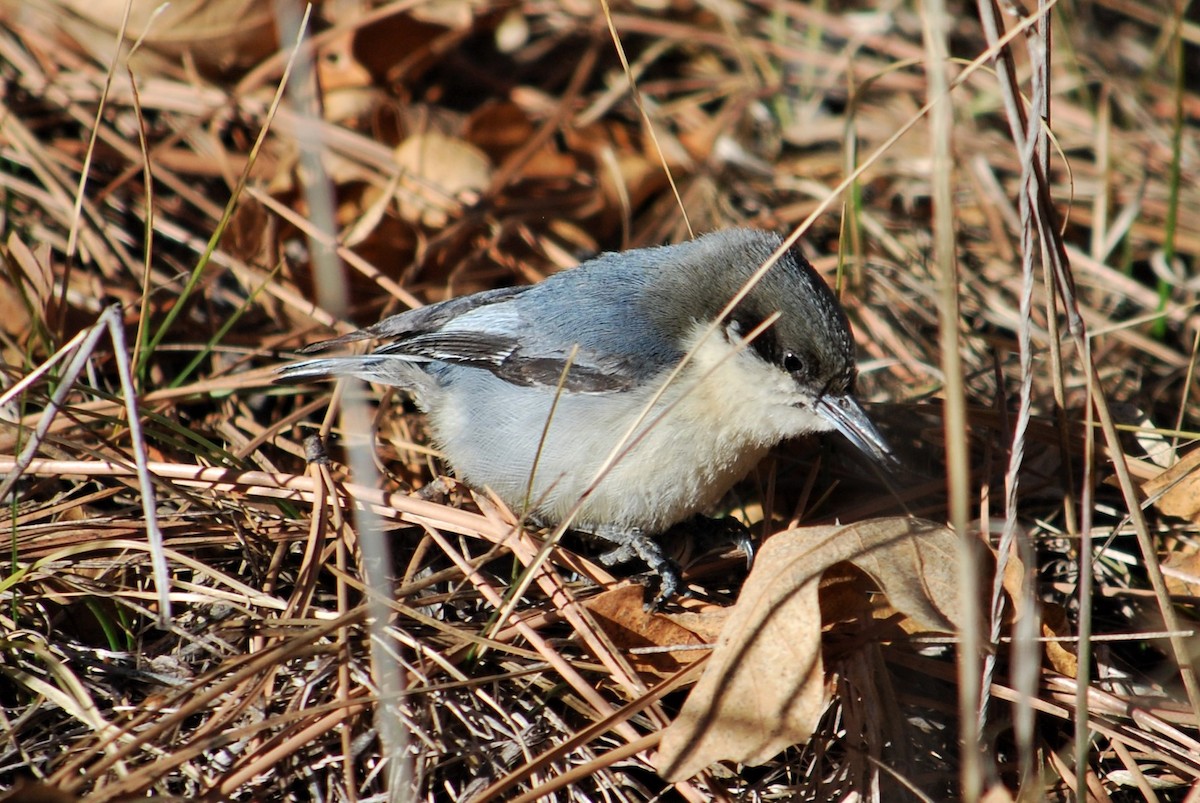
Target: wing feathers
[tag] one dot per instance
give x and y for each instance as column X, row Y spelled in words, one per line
column 490, row 331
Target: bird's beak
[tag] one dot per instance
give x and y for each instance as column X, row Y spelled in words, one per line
column 845, row 413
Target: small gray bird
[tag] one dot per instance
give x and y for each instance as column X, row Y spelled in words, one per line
column 529, row 390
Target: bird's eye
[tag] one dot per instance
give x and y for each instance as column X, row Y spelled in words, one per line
column 794, row 364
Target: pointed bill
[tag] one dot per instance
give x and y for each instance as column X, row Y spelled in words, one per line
column 845, row 413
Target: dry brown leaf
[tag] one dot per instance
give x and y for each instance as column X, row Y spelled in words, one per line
column 220, row 35
column 14, row 318
column 915, row 563
column 622, row 614
column 503, row 129
column 846, row 598
column 1056, row 625
column 627, row 175
column 32, row 289
column 437, row 170
column 1015, row 578
column 706, row 624
column 849, row 598
column 34, row 272
column 1181, row 571
column 1054, row 622
column 763, row 689
column 498, row 129
column 1180, row 488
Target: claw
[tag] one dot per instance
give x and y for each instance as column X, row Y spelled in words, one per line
column 632, row 543
column 670, row 581
column 745, row 543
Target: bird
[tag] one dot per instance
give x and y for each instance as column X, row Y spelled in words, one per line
column 530, row 390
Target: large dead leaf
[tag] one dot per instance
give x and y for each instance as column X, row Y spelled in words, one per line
column 438, row 170
column 764, row 687
column 623, row 615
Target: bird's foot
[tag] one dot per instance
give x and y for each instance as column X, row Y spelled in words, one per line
column 630, row 543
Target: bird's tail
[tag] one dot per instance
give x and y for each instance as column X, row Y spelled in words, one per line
column 406, row 374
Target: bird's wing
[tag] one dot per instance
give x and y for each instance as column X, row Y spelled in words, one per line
column 492, row 332
column 417, row 321
column 504, row 339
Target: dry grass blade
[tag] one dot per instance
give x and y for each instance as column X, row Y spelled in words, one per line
column 108, row 324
